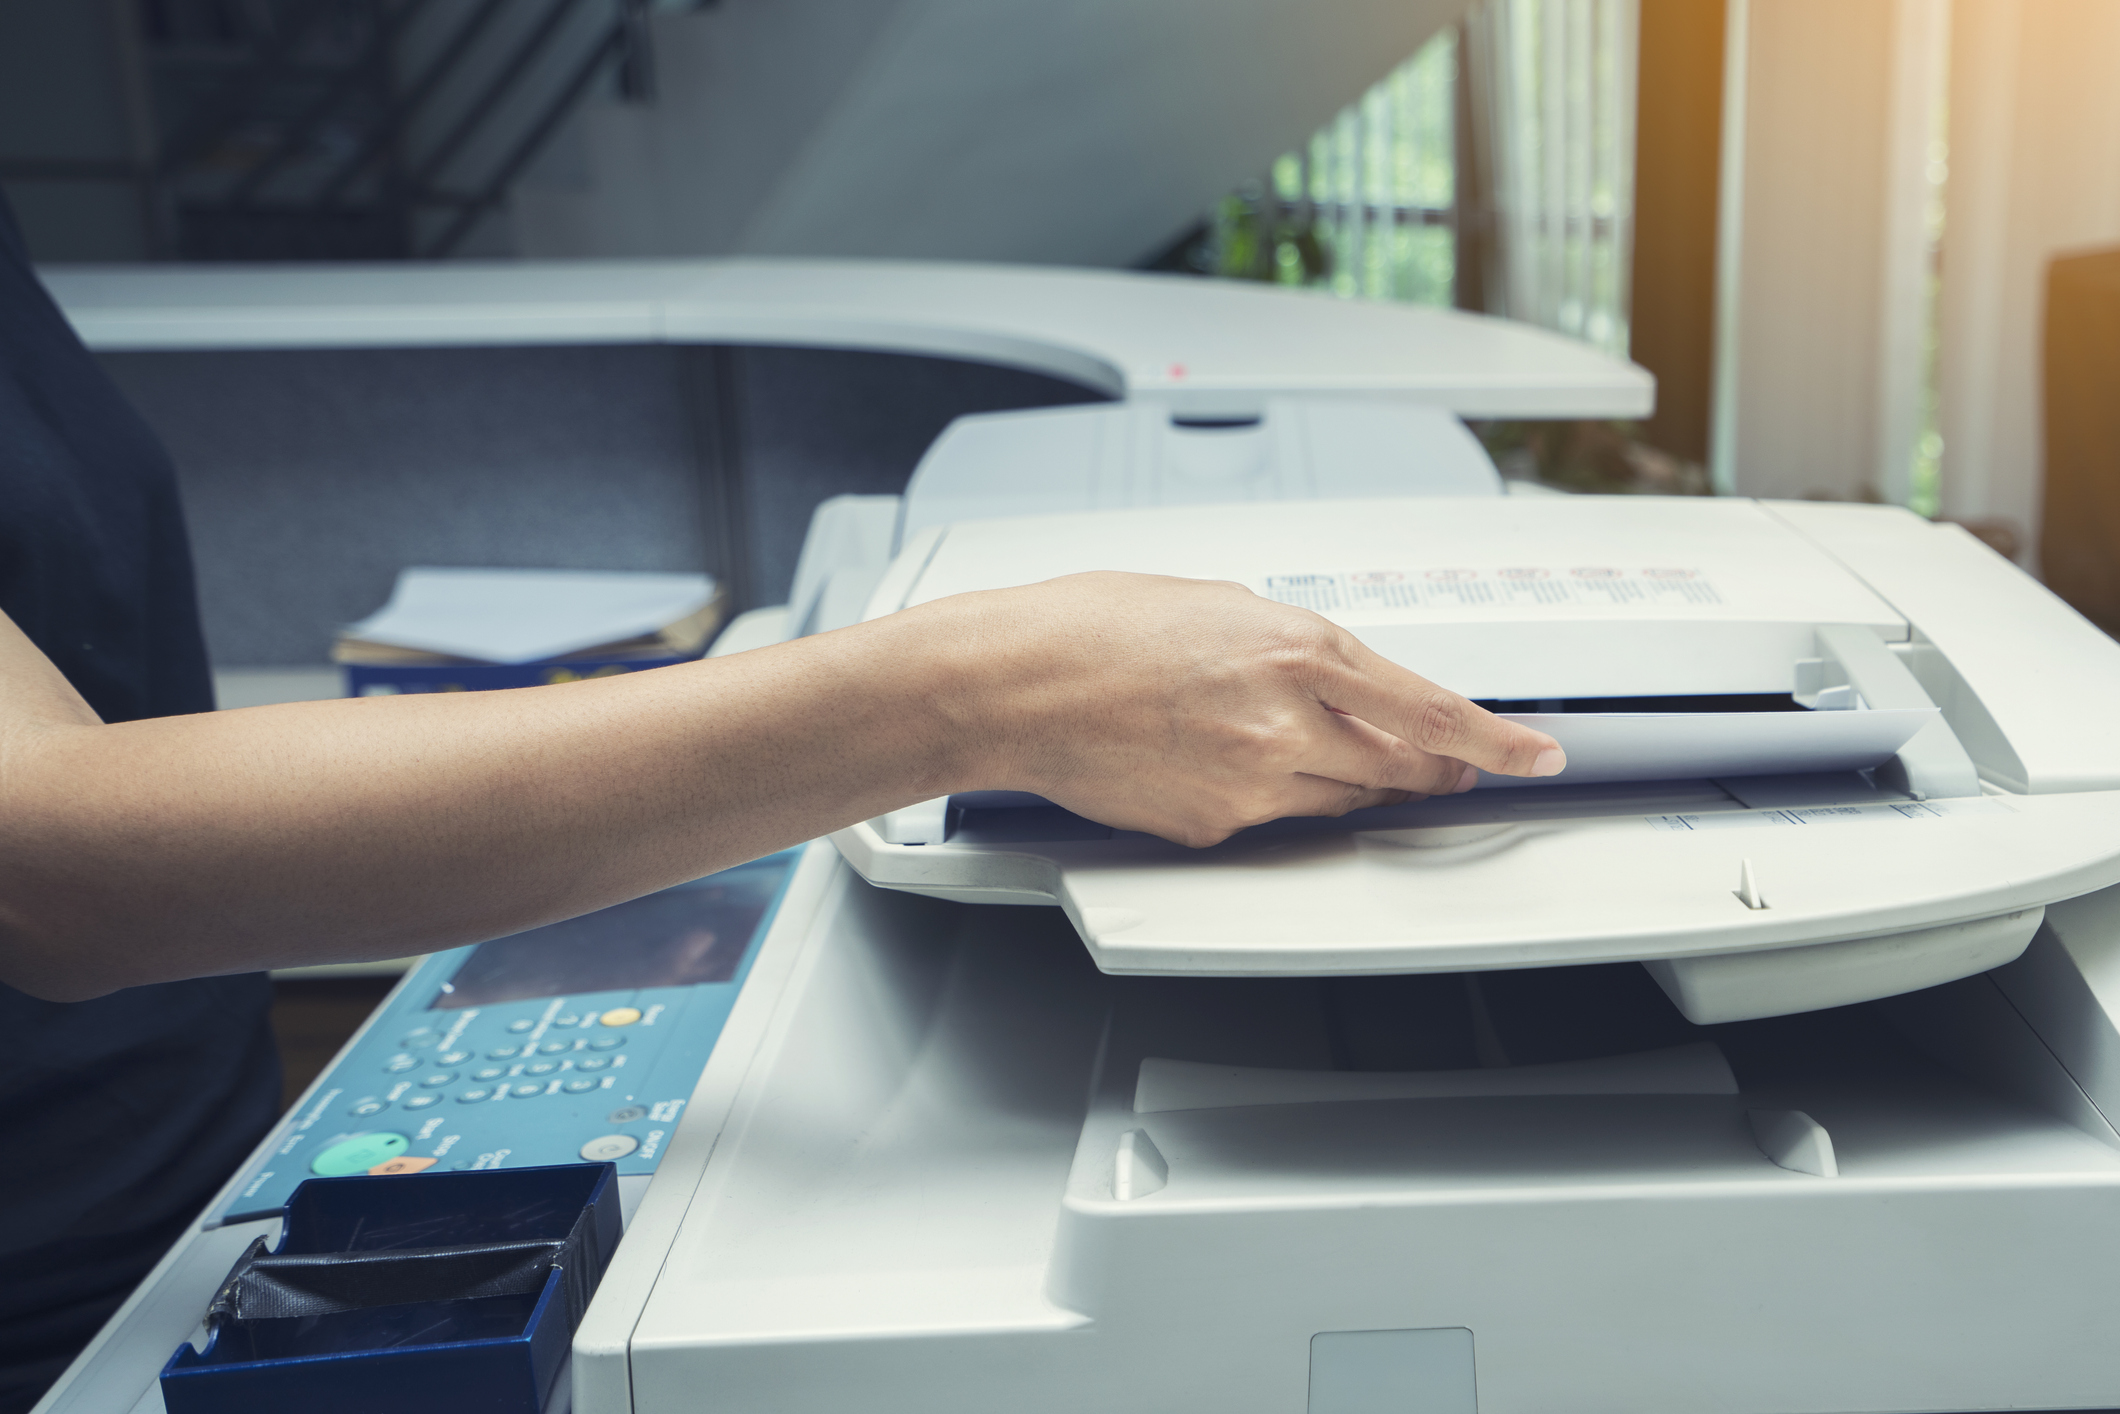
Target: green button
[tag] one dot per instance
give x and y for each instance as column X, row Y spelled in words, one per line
column 358, row 1155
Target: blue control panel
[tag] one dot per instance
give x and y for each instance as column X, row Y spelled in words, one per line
column 577, row 1041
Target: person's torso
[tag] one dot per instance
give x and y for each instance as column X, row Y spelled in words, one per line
column 124, row 1113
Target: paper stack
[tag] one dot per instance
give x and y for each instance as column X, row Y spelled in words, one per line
column 447, row 630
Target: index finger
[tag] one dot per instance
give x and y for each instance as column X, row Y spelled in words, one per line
column 1437, row 720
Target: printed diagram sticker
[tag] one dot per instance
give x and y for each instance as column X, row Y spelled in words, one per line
column 1464, row 587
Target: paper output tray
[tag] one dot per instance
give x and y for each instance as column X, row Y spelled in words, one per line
column 1564, row 875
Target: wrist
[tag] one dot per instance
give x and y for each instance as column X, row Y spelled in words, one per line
column 956, row 654
column 940, row 691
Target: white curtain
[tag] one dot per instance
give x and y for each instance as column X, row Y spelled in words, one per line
column 1552, row 105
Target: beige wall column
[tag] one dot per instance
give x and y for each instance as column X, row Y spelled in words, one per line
column 2035, row 171
column 1822, row 290
column 1678, row 142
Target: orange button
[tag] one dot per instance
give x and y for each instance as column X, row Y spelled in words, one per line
column 403, row 1163
column 621, row 1016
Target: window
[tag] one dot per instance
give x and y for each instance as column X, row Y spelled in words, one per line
column 1526, row 212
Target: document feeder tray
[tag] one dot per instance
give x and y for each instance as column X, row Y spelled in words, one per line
column 1747, row 894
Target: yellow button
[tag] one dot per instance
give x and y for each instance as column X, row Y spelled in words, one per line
column 404, row 1163
column 621, row 1016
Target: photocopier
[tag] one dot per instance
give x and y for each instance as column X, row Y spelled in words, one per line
column 1751, row 1074
column 1766, row 1092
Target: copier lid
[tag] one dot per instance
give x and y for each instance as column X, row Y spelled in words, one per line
column 1515, row 598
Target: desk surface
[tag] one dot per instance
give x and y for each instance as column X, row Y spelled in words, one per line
column 1207, row 345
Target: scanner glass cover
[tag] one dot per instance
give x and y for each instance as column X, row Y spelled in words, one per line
column 693, row 933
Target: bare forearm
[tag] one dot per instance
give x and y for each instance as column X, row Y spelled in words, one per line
column 192, row 845
column 375, row 827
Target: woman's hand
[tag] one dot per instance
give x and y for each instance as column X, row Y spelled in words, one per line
column 1191, row 708
column 376, row 827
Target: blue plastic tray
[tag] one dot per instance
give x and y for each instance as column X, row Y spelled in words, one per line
column 387, row 1319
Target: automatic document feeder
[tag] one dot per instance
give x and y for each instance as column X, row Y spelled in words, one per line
column 1387, row 1113
column 1626, row 606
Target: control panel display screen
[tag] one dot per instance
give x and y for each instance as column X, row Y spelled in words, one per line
column 693, row 933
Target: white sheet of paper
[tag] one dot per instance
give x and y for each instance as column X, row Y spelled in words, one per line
column 523, row 616
column 1674, row 746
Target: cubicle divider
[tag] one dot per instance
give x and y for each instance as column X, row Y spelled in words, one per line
column 311, row 476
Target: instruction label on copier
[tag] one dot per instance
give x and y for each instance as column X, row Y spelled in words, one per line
column 1827, row 814
column 1506, row 586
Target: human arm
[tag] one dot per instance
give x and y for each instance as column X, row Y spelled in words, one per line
column 374, row 827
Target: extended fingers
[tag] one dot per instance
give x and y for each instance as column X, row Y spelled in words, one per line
column 1447, row 723
column 1343, row 764
column 1437, row 721
column 1350, row 749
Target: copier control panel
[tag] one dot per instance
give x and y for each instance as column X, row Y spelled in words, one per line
column 580, row 1040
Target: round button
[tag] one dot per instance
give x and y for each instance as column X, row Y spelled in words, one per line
column 400, row 1063
column 519, row 1027
column 473, row 1096
column 553, row 1048
column 365, row 1108
column 579, row 1087
column 524, row 1092
column 541, row 1068
column 570, row 1019
column 414, row 1040
column 406, row 1164
column 452, row 1057
column 437, row 1080
column 627, row 1114
column 592, row 1063
column 607, row 1043
column 609, row 1147
column 358, row 1154
column 504, row 1053
column 620, row 1016
column 489, row 1072
column 419, row 1102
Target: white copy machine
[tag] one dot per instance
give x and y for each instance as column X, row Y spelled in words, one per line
column 1769, row 1070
